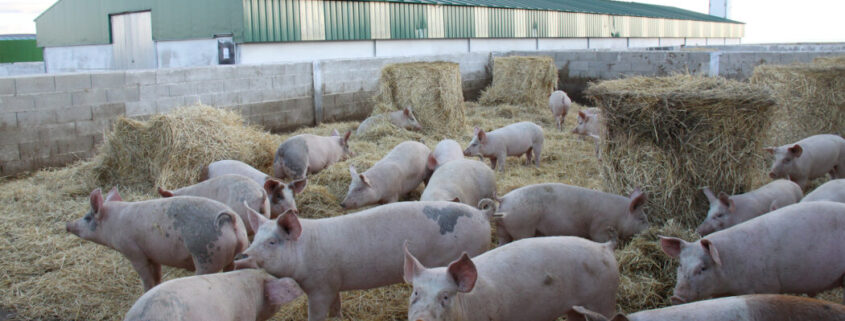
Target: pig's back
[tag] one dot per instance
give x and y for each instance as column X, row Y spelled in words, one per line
column 468, row 179
column 228, row 166
column 730, row 308
column 833, row 191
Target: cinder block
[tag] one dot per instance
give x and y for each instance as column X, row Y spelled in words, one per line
column 91, row 96
column 251, row 96
column 9, row 152
column 200, row 73
column 227, row 99
column 208, row 99
column 140, row 77
column 7, row 86
column 153, row 92
column 112, row 79
column 620, row 67
column 73, row 82
column 169, row 76
column 262, row 83
column 167, row 104
column 183, row 89
column 71, row 114
column 140, row 108
column 36, row 84
column 8, row 120
column 192, row 100
column 232, row 85
column 34, row 150
column 52, row 101
column 17, row 103
column 248, row 71
column 92, row 127
column 35, row 118
column 76, row 145
column 108, row 111
column 208, row 86
column 125, row 94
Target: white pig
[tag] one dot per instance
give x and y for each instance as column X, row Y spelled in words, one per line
column 833, row 191
column 465, row 180
column 795, row 249
column 726, row 211
column 363, row 250
column 400, row 118
column 809, row 158
column 188, row 232
column 531, row 279
column 559, row 209
column 512, row 140
column 309, row 154
column 755, row 307
column 446, row 150
column 399, row 172
column 559, row 103
column 233, row 296
column 229, row 166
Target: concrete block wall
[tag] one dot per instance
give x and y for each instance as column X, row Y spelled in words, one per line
column 21, row 68
column 740, row 65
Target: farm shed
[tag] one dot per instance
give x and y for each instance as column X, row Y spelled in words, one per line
column 124, row 34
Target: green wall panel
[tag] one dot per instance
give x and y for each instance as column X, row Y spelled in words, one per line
column 20, row 51
column 460, row 22
column 271, row 20
column 501, row 23
column 408, row 21
column 347, row 20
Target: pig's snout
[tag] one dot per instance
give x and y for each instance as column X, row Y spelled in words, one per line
column 701, row 230
column 245, row 262
column 466, row 152
column 676, row 300
column 772, row 175
column 71, row 228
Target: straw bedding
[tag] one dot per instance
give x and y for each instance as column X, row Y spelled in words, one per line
column 523, row 81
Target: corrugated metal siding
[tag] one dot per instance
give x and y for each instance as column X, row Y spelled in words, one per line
column 349, row 20
column 459, row 22
column 435, row 22
column 272, row 20
column 312, row 19
column 482, row 21
column 502, row 23
column 408, row 21
column 380, row 20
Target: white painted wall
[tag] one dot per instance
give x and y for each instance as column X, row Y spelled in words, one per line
column 405, row 48
column 671, row 42
column 21, row 68
column 186, row 53
column 562, row 44
column 732, row 41
column 696, row 42
column 485, row 45
column 715, row 41
column 256, row 53
column 643, row 42
column 78, row 58
column 608, row 43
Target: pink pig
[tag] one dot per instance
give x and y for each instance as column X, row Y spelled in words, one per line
column 559, row 103
column 192, row 233
column 726, row 211
column 446, row 151
column 397, row 174
column 308, row 154
column 400, row 118
column 464, row 180
column 833, row 191
column 512, row 140
column 809, row 158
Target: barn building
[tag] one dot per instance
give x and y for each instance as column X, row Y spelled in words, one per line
column 80, row 35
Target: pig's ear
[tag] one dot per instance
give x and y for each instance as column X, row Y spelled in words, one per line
column 475, row 131
column 413, row 267
column 672, row 246
column 711, row 249
column 299, row 185
column 114, row 195
column 407, row 111
column 710, row 196
column 289, row 223
column 352, row 171
column 335, row 132
column 432, row 162
column 726, row 200
column 255, row 219
column 163, row 192
column 281, row 291
column 364, row 180
column 464, row 273
column 456, row 200
column 771, row 150
column 796, row 150
column 582, row 114
column 482, row 136
column 579, row 313
column 270, row 185
column 96, row 198
column 638, row 199
column 346, row 137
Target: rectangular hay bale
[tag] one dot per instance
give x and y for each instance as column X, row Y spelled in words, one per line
column 525, row 81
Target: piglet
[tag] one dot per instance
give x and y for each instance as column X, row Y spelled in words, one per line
column 446, row 150
column 512, row 140
column 559, row 103
column 188, row 232
column 755, row 307
column 308, row 154
column 399, row 172
column 726, row 211
column 363, row 250
column 465, row 180
column 531, row 279
column 833, row 191
column 589, row 125
column 232, row 296
column 795, row 249
column 559, row 209
column 809, row 158
column 400, row 118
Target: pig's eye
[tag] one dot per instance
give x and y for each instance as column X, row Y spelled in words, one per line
column 88, row 219
column 720, row 215
column 272, row 242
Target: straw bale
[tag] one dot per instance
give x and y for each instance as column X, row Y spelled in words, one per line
column 674, row 135
column 432, row 89
column 523, row 81
column 810, row 99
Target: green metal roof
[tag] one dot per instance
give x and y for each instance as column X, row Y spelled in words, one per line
column 583, row 6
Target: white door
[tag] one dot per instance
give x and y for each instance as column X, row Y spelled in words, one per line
column 132, row 41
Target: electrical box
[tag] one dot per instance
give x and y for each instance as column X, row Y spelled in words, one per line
column 225, row 50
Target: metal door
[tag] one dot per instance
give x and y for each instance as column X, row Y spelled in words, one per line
column 132, row 41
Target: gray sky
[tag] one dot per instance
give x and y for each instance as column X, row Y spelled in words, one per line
column 766, row 20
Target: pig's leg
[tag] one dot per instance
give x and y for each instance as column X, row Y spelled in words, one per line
column 146, row 271
column 500, row 160
column 156, row 269
column 335, row 311
column 559, row 120
column 320, row 303
column 528, row 156
column 493, row 162
column 538, row 149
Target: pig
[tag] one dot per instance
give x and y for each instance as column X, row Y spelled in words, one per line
column 188, row 232
column 232, row 296
column 363, row 250
column 754, row 307
column 399, row 172
column 833, row 191
column 726, row 211
column 401, row 118
column 511, row 140
column 559, row 103
column 809, row 158
column 531, row 279
column 795, row 249
column 229, row 166
column 464, row 180
column 446, row 150
column 309, row 154
column 559, row 209
column 589, row 125
column 272, row 199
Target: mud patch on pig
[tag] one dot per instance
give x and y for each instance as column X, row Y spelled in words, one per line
column 294, row 152
column 446, row 218
column 198, row 231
